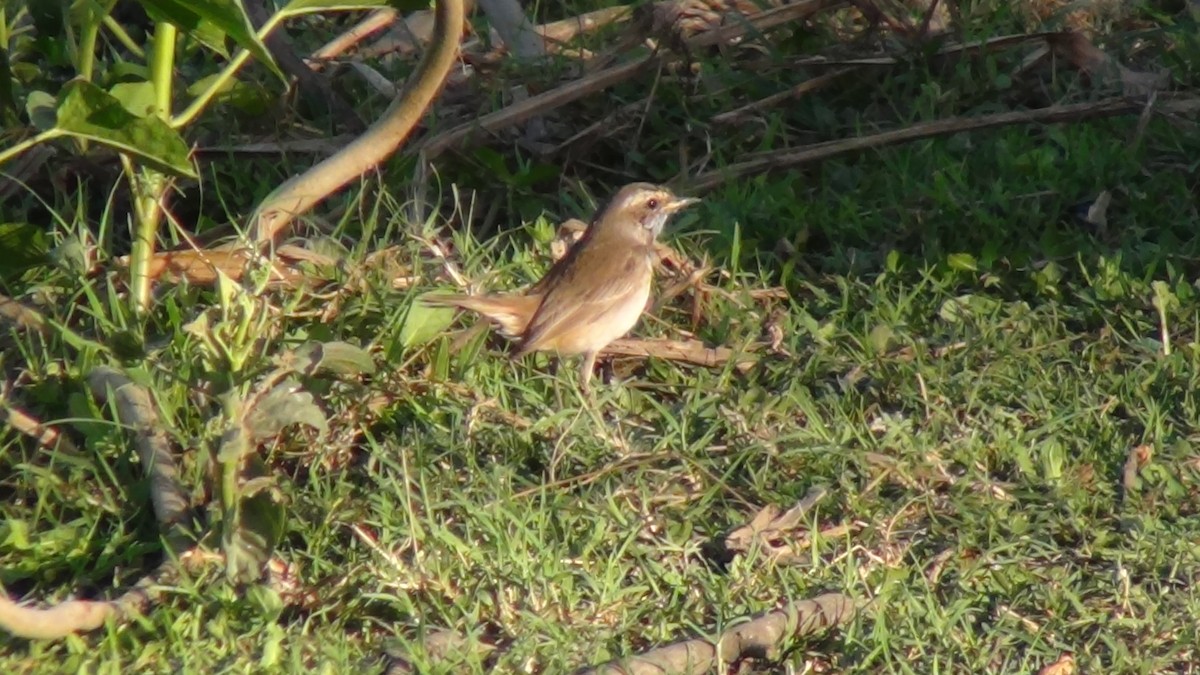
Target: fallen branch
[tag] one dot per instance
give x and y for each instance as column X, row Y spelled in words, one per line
column 375, row 21
column 521, row 111
column 48, row 438
column 22, row 317
column 313, row 87
column 774, row 533
column 794, row 157
column 805, row 87
column 601, row 80
column 136, row 410
column 688, row 351
column 761, row 637
column 75, row 616
column 567, row 29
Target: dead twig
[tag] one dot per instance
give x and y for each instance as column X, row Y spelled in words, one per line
column 793, row 157
column 761, row 637
column 601, row 80
column 806, row 87
column 48, row 438
column 687, row 351
column 76, row 616
column 313, row 87
column 773, row 532
column 376, row 21
column 22, row 317
column 137, row 411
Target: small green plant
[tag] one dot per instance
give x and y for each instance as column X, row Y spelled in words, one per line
column 133, row 107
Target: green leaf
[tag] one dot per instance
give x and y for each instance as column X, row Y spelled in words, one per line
column 198, row 17
column 339, row 358
column 234, row 445
column 963, row 307
column 86, row 420
column 283, row 406
column 136, row 97
column 40, row 107
column 250, row 540
column 423, row 323
column 24, row 246
column 310, row 6
column 962, row 261
column 86, row 111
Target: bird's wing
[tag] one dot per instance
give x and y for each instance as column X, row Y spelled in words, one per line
column 584, row 290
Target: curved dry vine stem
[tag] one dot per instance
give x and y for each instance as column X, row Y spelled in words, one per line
column 761, row 637
column 136, row 410
column 300, row 193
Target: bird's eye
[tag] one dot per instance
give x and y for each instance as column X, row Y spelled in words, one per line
column 652, row 204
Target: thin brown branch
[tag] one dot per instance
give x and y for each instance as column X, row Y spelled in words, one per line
column 794, row 157
column 763, row 637
column 687, row 351
column 22, row 317
column 763, row 21
column 136, row 410
column 567, row 29
column 536, row 105
column 76, row 616
column 805, row 87
column 46, row 437
column 609, row 77
column 313, row 87
column 376, row 21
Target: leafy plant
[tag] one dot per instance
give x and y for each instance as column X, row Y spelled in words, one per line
column 139, row 119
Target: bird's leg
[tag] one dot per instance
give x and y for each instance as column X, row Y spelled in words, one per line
column 585, row 370
column 608, row 371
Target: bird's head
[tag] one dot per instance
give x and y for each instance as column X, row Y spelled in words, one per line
column 641, row 209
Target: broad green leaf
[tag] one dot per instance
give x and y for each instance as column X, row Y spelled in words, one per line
column 283, row 406
column 963, row 307
column 86, row 111
column 310, row 6
column 250, row 539
column 86, row 420
column 234, row 445
column 423, row 323
column 40, row 107
column 136, row 97
column 24, row 246
column 248, row 98
column 339, row 358
column 962, row 261
column 227, row 16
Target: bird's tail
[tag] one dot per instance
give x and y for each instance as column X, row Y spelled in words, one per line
column 510, row 312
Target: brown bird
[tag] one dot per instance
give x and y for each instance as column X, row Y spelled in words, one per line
column 593, row 295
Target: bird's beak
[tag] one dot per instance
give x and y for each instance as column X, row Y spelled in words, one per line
column 682, row 203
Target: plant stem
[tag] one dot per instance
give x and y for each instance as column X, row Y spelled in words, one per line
column 218, row 83
column 6, row 155
column 149, row 186
column 119, row 33
column 161, row 67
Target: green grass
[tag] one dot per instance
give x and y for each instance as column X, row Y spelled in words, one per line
column 967, row 368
